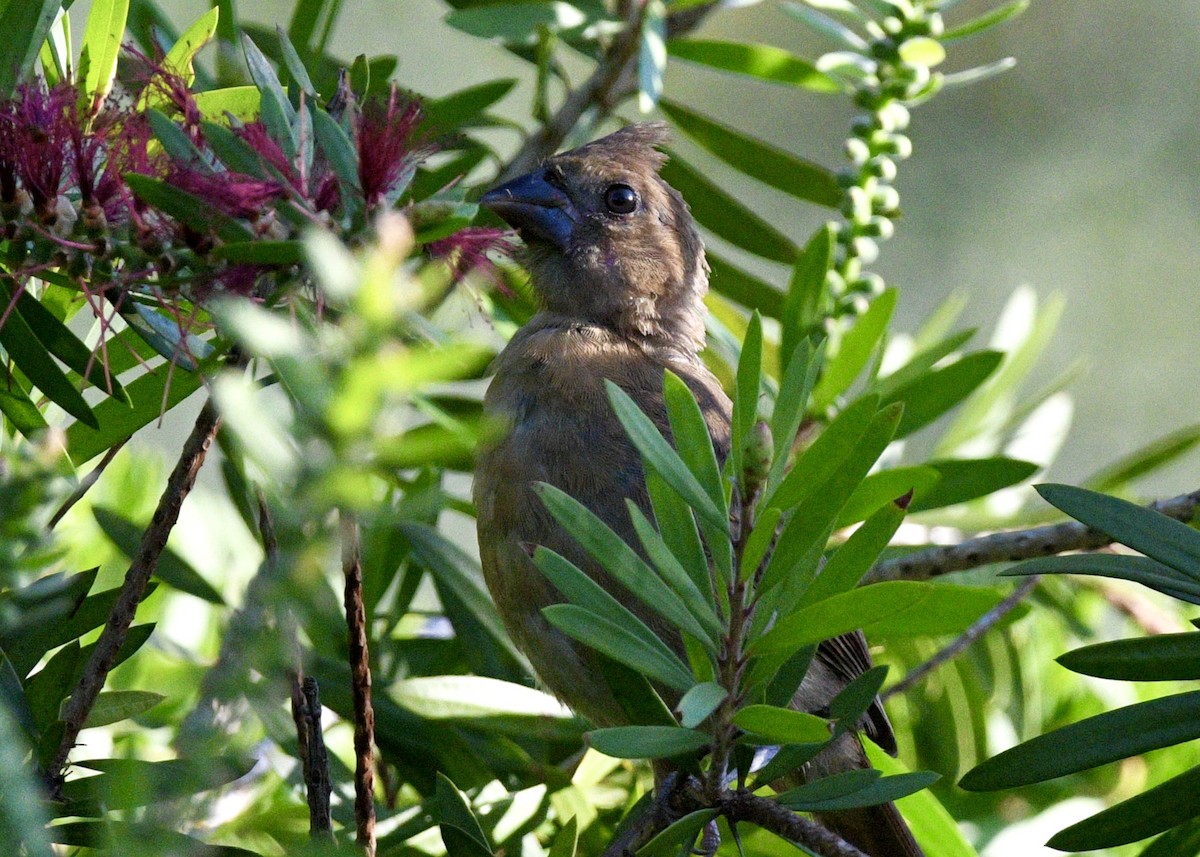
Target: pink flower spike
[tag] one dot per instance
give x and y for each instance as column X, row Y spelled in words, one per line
column 386, row 149
column 467, row 250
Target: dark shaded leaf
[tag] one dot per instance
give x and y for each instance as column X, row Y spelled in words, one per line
column 779, row 169
column 461, row 832
column 1165, row 657
column 1139, row 569
column 1149, row 458
column 171, row 568
column 743, row 288
column 25, row 24
column 880, row 790
column 965, row 479
column 1155, row 810
column 647, row 742
column 1098, row 740
column 130, row 783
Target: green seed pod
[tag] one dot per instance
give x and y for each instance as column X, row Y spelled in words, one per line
column 758, row 452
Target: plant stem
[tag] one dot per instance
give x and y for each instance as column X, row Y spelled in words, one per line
column 360, row 677
column 1014, row 546
column 154, row 540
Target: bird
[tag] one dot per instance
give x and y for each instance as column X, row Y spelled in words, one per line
column 618, row 269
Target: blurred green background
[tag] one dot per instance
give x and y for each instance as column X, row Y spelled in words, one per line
column 1076, row 172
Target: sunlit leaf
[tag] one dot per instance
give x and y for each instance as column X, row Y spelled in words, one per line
column 782, row 725
column 765, row 62
column 99, row 50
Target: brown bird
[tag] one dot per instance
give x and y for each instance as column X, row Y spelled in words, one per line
column 618, row 268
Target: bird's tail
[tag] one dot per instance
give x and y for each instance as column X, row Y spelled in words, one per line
column 875, row 830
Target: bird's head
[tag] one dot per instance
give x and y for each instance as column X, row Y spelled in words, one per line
column 608, row 241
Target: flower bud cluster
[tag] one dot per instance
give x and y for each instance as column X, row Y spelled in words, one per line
column 901, row 51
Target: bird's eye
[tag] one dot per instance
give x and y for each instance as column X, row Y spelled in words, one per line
column 620, row 199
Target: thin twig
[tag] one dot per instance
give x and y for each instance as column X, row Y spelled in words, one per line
column 607, row 86
column 86, row 483
column 966, row 638
column 306, row 713
column 154, row 540
column 1014, row 546
column 360, row 677
column 741, row 805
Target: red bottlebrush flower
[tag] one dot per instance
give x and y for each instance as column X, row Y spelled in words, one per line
column 127, row 151
column 235, row 194
column 467, row 249
column 35, row 135
column 387, row 153
column 159, row 81
column 320, row 188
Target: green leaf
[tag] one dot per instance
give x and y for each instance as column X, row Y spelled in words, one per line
column 782, row 725
column 183, row 52
column 825, row 455
column 21, row 412
column 293, row 64
column 652, row 55
column 743, row 288
column 63, row 344
column 1169, row 541
column 850, row 705
column 965, row 479
column 113, row 706
column 338, row 148
column 826, row 26
column 99, row 50
column 620, row 560
column 567, row 840
column 1165, row 657
column 838, row 614
column 178, row 145
column 719, row 211
column 765, row 62
column 949, row 608
column 455, row 110
column 879, row 790
column 790, row 405
column 648, row 655
column 647, row 742
column 460, row 828
column 1139, row 569
column 276, row 253
column 985, row 21
column 186, row 208
column 243, row 103
column 860, row 342
column 775, row 167
column 883, row 486
column 1149, row 458
column 828, row 788
column 806, row 291
column 689, row 432
column 1166, row 805
column 854, row 558
column 152, row 395
column 679, row 835
column 659, row 455
column 165, row 336
column 460, row 575
column 673, row 572
column 171, row 569
column 745, row 397
column 1098, row 740
column 922, row 362
column 278, row 114
column 677, row 526
column 699, row 702
column 32, row 357
column 131, row 783
column 932, row 394
column 516, row 23
column 25, row 24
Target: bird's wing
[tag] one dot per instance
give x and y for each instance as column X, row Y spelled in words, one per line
column 848, row 657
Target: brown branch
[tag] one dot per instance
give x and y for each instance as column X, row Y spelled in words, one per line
column 607, row 86
column 960, row 643
column 306, row 713
column 86, row 483
column 154, row 540
column 360, row 677
column 1014, row 546
column 741, row 805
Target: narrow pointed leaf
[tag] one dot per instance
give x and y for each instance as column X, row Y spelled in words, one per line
column 966, row 479
column 679, row 835
column 25, row 24
column 113, row 706
column 922, row 362
column 186, row 207
column 1139, row 569
column 791, row 403
column 825, row 455
column 21, row 412
column 619, row 559
column 699, row 702
column 848, row 611
column 826, row 26
column 854, row 558
column 716, row 209
column 880, row 790
column 857, row 346
column 619, row 643
column 1145, row 460
column 691, row 438
column 985, row 21
column 806, row 291
column 567, row 840
column 673, row 573
column 1166, row 657
column 647, row 742
column 171, row 568
column 677, row 526
column 99, row 50
column 1098, row 740
column 1166, row 805
column 782, row 725
column 659, row 454
column 746, row 289
column 779, row 169
column 931, row 395
column 460, row 828
column 764, row 62
column 1169, row 541
column 457, row 109
column 884, row 486
column 34, row 360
